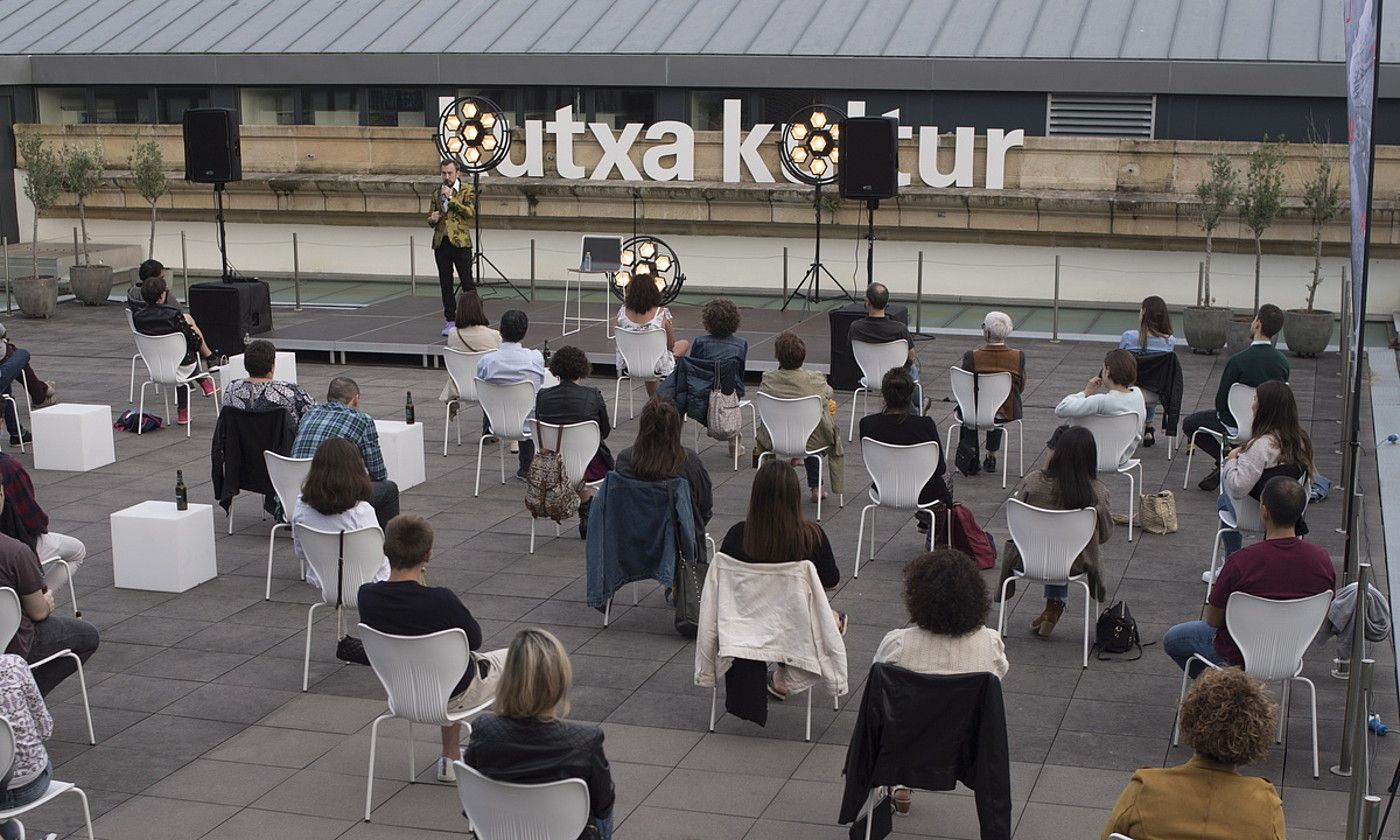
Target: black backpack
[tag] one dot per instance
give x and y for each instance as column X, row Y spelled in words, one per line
column 1117, row 632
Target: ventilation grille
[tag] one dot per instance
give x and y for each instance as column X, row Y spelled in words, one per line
column 1101, row 116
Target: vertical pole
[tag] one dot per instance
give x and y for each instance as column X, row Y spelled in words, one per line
column 1371, row 806
column 1358, row 642
column 5, row 245
column 1055, row 315
column 919, row 296
column 532, row 268
column 76, row 255
column 1356, row 733
column 296, row 270
column 184, row 265
column 785, row 272
column 412, row 269
column 1346, row 333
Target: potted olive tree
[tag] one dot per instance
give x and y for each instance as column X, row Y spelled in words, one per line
column 1207, row 324
column 38, row 296
column 148, row 173
column 1260, row 205
column 82, row 175
column 1308, row 331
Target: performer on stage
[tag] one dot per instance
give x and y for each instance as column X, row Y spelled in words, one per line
column 452, row 239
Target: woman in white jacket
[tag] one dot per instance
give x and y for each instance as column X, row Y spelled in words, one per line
column 1113, row 391
column 1276, row 439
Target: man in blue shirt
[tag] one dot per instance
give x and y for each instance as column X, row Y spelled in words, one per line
column 513, row 362
column 340, row 416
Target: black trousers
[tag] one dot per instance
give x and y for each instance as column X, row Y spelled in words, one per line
column 447, row 257
column 1205, row 420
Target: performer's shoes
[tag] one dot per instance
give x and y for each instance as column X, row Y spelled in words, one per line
column 448, row 327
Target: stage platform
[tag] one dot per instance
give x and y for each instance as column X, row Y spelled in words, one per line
column 410, row 327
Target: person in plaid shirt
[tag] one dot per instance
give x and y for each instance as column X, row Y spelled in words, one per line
column 340, row 416
column 23, row 519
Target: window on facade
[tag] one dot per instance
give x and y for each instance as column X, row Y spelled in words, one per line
column 120, row 104
column 1126, row 115
column 329, row 106
column 707, row 109
column 268, row 106
column 63, row 106
column 616, row 108
column 396, row 106
column 172, row 103
column 776, row 106
column 541, row 103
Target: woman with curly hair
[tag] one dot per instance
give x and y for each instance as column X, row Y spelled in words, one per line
column 719, row 344
column 947, row 600
column 1229, row 719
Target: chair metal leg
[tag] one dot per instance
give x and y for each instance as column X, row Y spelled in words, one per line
column 141, row 409
column 634, row 593
column 617, row 398
column 1088, row 618
column 131, row 389
column 306, row 660
column 447, row 426
column 532, row 535
column 851, row 432
column 412, row 756
column 1132, row 497
column 1312, row 696
column 501, row 448
column 82, row 687
column 860, row 538
column 714, row 696
column 808, row 735
column 1001, row 609
column 1214, row 555
column 1005, row 456
column 479, row 448
column 87, row 812
column 373, row 742
column 821, row 484
column 872, row 533
column 1282, row 713
column 271, row 545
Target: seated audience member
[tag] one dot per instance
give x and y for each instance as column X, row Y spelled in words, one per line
column 1110, row 392
column 1229, row 719
column 1068, row 481
column 31, row 771
column 525, row 739
column 570, row 402
column 994, row 356
column 471, row 333
column 720, row 317
column 510, row 363
column 13, row 365
column 1277, row 440
column 790, row 381
column 23, row 518
column 947, row 601
column 405, row 605
column 775, row 531
column 262, row 389
column 878, row 328
column 1281, row 567
column 895, row 425
column 150, row 268
column 42, row 631
column 161, row 317
column 335, row 497
column 1259, row 363
column 642, row 312
column 658, row 455
column 340, row 417
column 1153, row 335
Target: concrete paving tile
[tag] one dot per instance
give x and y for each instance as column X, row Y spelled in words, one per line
column 628, row 644
column 715, row 792
column 1040, row 821
column 275, row 747
column 671, row 711
column 274, row 672
column 221, row 782
column 174, row 735
column 375, row 831
column 70, row 724
column 647, row 745
column 1122, row 752
column 1060, row 785
column 425, row 805
column 120, row 770
column 323, row 713
column 329, row 795
column 137, row 693
column 154, row 818
column 152, row 630
column 652, row 823
column 252, row 822
column 760, row 756
column 229, row 703
column 182, row 664
column 766, row 829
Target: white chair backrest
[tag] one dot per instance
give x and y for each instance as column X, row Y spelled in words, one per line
column 418, row 672
column 1113, row 434
column 7, row 746
column 1247, row 511
column 789, row 421
column 576, row 444
column 287, row 474
column 509, row 811
column 9, row 620
column 1049, row 540
column 163, row 355
column 992, row 390
column 641, row 351
column 506, row 406
column 130, row 318
column 1241, row 402
column 1116, row 836
column 364, row 557
column 875, row 360
column 899, row 472
column 461, row 366
column 1273, row 635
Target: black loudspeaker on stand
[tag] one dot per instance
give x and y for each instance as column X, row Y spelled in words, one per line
column 869, row 170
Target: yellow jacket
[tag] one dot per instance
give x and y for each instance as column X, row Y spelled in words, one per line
column 454, row 224
column 1200, row 800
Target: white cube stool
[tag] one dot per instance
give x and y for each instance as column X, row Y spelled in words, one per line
column 402, row 445
column 286, row 370
column 73, row 436
column 158, row 548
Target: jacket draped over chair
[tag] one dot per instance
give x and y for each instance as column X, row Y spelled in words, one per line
column 636, row 531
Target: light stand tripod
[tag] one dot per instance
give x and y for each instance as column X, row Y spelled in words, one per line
column 223, row 235
column 477, row 256
column 813, row 277
column 871, row 205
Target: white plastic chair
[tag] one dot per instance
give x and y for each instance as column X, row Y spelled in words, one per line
column 511, row 811
column 790, row 422
column 507, row 407
column 131, row 390
column 991, row 391
column 28, row 404
column 418, row 673
column 576, row 444
column 1272, row 636
column 287, row 474
column 1246, row 522
column 56, row 788
column 1116, row 836
column 363, row 558
column 1241, row 401
column 1113, row 435
column 876, row 360
column 640, row 353
column 753, row 417
column 163, row 354
column 1049, row 542
column 899, row 473
column 10, row 612
column 461, row 369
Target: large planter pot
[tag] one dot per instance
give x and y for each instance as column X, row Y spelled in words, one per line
column 91, row 283
column 37, row 296
column 1307, row 333
column 1206, row 327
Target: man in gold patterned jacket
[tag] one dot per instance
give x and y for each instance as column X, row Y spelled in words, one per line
column 452, row 238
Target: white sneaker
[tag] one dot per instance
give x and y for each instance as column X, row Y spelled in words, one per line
column 1207, row 577
column 445, row 773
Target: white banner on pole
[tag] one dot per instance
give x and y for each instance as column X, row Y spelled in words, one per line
column 1361, row 51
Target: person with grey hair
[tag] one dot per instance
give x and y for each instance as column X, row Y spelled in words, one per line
column 340, row 416
column 994, row 356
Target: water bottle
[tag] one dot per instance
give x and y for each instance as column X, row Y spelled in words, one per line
column 182, row 496
column 587, row 261
column 408, row 409
column 1374, row 722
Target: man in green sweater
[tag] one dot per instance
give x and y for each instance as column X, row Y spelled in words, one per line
column 1259, row 363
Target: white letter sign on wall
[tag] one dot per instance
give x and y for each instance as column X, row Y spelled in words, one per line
column 681, row 150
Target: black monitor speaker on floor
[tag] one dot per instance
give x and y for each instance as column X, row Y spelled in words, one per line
column 212, row 152
column 869, row 158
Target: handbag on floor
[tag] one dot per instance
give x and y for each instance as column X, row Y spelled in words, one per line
column 967, row 537
column 1159, row 513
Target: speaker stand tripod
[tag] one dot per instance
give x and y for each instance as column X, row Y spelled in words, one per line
column 812, row 280
column 225, row 274
column 871, row 205
column 477, row 256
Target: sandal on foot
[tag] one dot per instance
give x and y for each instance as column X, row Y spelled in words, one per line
column 903, row 799
column 1149, row 437
column 773, row 691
